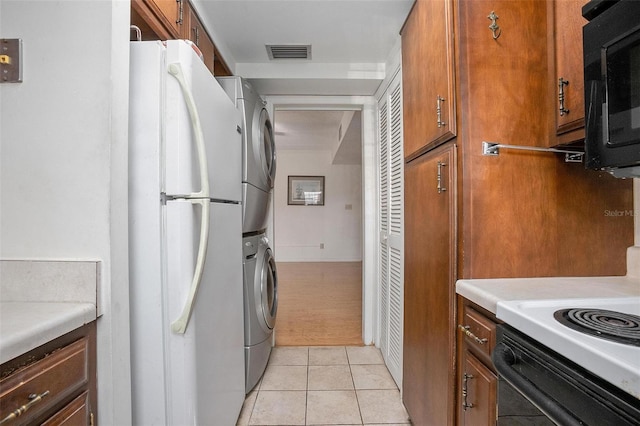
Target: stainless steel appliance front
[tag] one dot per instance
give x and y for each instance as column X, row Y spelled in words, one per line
column 612, row 86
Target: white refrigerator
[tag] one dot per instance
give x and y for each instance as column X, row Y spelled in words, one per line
column 185, row 229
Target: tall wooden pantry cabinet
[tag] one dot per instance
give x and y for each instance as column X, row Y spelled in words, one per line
column 469, row 215
column 430, row 223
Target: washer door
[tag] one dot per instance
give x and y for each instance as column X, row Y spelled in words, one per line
column 266, row 146
column 266, row 283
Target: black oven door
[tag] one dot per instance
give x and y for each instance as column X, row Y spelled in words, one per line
column 565, row 393
column 612, row 89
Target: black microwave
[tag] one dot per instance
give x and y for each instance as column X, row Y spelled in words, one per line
column 611, row 41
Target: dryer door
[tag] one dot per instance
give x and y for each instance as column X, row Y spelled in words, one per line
column 267, row 276
column 267, row 147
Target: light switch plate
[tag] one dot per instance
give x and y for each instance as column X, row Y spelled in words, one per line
column 11, row 60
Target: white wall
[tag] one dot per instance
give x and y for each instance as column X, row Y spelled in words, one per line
column 300, row 230
column 63, row 141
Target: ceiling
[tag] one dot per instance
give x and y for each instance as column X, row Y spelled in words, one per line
column 337, row 131
column 351, row 42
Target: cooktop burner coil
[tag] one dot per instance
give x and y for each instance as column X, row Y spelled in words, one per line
column 616, row 326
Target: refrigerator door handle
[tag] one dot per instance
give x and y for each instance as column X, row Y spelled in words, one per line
column 179, row 326
column 175, row 69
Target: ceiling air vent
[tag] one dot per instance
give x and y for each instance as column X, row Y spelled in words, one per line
column 289, row 51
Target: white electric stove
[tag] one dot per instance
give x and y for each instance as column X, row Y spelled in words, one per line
column 615, row 362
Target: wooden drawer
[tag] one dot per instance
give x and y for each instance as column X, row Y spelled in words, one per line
column 75, row 413
column 55, row 378
column 479, row 331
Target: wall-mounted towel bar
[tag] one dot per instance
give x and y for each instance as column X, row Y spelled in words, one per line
column 570, row 156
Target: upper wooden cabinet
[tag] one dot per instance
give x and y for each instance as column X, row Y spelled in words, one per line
column 165, row 18
column 503, row 86
column 194, row 30
column 428, row 76
column 173, row 19
column 567, row 68
column 171, row 12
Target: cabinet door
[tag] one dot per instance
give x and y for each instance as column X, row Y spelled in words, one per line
column 428, row 76
column 194, row 31
column 158, row 19
column 503, row 76
column 428, row 381
column 478, row 389
column 171, row 12
column 391, row 233
column 569, row 68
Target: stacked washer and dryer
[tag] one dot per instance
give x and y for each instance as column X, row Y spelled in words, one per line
column 260, row 276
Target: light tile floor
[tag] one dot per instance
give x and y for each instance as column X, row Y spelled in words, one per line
column 334, row 385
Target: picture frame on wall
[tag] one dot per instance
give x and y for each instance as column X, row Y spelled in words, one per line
column 305, row 191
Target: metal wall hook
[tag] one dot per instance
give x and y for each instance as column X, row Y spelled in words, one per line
column 494, row 27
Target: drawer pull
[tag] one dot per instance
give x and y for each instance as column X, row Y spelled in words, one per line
column 34, row 399
column 561, row 83
column 465, row 391
column 439, row 186
column 465, row 330
column 439, row 121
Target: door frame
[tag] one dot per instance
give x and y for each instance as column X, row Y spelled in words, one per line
column 368, row 106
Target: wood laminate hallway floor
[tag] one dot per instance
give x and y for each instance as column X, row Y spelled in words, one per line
column 319, row 303
column 336, row 385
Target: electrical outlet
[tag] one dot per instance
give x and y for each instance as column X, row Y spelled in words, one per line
column 10, row 60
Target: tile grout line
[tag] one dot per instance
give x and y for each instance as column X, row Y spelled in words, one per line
column 355, row 391
column 306, row 393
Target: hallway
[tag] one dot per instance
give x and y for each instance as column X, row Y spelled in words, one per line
column 334, row 385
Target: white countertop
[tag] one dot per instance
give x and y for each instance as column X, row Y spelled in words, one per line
column 488, row 292
column 27, row 325
column 41, row 300
column 529, row 304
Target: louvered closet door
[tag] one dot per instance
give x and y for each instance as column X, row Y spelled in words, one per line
column 391, row 228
